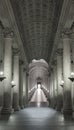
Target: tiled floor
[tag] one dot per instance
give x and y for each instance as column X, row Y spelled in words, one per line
column 34, row 118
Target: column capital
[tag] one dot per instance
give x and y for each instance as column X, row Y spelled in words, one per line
column 59, row 51
column 16, row 51
column 8, row 32
column 66, row 33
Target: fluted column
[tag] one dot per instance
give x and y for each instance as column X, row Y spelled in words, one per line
column 16, row 80
column 1, row 62
column 21, row 86
column 7, row 104
column 67, row 102
column 59, row 79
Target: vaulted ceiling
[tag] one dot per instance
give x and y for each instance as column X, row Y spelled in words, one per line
column 37, row 22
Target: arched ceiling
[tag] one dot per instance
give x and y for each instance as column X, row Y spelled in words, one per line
column 37, row 22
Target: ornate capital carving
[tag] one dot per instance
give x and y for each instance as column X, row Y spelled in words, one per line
column 59, row 51
column 66, row 32
column 8, row 33
column 15, row 51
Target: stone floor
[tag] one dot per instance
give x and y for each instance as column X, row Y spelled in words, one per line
column 37, row 116
column 33, row 118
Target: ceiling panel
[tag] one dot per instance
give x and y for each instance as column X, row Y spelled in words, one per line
column 37, row 22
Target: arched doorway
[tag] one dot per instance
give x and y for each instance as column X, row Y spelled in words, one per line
column 38, row 81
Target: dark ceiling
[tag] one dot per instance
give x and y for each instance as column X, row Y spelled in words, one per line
column 37, row 22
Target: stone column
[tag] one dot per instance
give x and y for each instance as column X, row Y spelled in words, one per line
column 59, row 79
column 49, row 90
column 55, row 84
column 7, row 104
column 21, row 86
column 16, row 80
column 24, row 87
column 67, row 102
column 72, row 63
column 52, row 91
column 27, row 88
column 50, row 95
column 1, row 62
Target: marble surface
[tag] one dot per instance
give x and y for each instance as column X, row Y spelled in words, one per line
column 36, row 117
column 33, row 118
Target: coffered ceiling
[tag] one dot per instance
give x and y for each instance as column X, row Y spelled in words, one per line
column 37, row 22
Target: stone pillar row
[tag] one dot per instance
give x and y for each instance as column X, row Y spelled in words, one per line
column 11, row 97
column 61, row 72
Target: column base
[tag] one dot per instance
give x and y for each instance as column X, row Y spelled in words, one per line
column 7, row 111
column 16, row 108
column 68, row 114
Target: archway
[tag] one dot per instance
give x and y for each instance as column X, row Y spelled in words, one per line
column 38, row 81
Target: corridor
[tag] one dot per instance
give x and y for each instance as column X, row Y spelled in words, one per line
column 36, row 64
